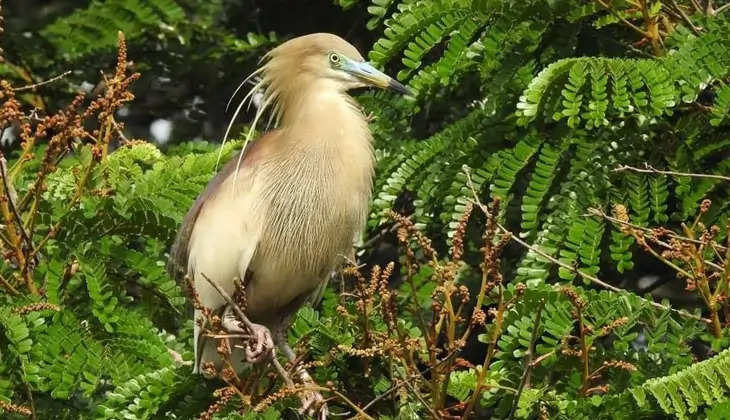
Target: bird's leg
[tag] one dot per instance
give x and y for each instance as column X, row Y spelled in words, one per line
column 261, row 346
column 312, row 401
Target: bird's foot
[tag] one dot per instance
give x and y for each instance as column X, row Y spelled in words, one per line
column 261, row 345
column 313, row 405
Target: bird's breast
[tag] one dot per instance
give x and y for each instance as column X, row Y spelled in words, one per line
column 317, row 204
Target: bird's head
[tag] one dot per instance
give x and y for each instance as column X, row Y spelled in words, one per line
column 325, row 60
column 303, row 66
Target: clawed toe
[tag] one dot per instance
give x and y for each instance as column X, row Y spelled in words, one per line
column 261, row 346
column 314, row 404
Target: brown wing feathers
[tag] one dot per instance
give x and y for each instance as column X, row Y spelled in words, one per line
column 179, row 252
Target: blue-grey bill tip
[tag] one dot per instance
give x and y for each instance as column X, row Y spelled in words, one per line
column 397, row 86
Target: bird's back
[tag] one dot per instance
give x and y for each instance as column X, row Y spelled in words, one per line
column 180, row 251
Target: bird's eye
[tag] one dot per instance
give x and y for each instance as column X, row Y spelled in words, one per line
column 334, row 58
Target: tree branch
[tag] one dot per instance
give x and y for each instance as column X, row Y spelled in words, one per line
column 242, row 316
column 45, row 82
column 9, row 287
column 685, row 17
column 598, row 212
column 722, row 9
column 11, row 203
column 648, row 169
column 622, row 19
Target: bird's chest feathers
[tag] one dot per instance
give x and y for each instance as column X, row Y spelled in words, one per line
column 318, row 201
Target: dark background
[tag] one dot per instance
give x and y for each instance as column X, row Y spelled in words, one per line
column 183, row 86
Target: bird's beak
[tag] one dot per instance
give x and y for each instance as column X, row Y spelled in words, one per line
column 374, row 77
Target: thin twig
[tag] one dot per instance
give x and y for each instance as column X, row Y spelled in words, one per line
column 120, row 132
column 603, row 284
column 379, row 235
column 573, row 269
column 244, row 336
column 722, row 9
column 412, row 377
column 592, row 211
column 528, row 360
column 648, row 169
column 9, row 287
column 11, row 217
column 11, row 203
column 361, row 412
column 541, row 358
column 420, row 398
column 45, row 82
column 637, row 51
column 622, row 19
column 685, row 17
column 243, row 318
column 584, row 349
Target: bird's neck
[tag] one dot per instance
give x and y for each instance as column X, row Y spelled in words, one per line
column 322, row 113
column 327, row 125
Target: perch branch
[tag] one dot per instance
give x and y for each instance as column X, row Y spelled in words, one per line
column 242, row 316
column 722, row 9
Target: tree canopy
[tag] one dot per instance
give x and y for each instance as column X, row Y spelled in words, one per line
column 548, row 235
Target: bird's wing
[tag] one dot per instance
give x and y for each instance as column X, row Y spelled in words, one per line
column 180, row 251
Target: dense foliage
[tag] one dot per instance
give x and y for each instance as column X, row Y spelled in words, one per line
column 548, row 235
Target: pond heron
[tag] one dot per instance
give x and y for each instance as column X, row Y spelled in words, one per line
column 282, row 215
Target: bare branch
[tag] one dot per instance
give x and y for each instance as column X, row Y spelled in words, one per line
column 648, row 169
column 622, row 19
column 685, row 17
column 598, row 212
column 45, row 82
column 9, row 287
column 697, row 6
column 11, row 202
column 242, row 316
column 379, row 235
column 722, row 9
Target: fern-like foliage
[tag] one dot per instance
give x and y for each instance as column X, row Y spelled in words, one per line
column 142, row 396
column 683, row 393
column 544, row 126
column 109, row 330
column 510, row 104
column 95, row 28
column 593, row 112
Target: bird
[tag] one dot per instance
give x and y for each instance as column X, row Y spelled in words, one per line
column 282, row 214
